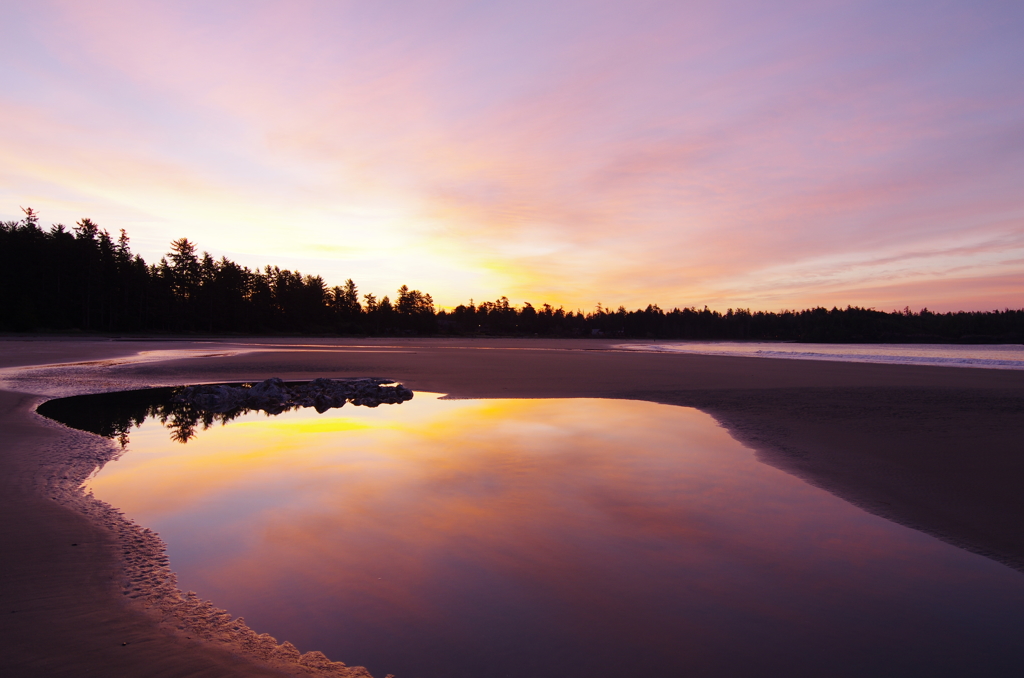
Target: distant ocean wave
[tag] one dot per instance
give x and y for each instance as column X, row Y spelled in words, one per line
column 996, row 357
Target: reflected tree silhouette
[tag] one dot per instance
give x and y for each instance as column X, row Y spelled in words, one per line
column 114, row 415
column 187, row 410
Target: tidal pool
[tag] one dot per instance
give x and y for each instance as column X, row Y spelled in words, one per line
column 569, row 538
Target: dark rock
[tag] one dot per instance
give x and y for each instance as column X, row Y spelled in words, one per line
column 274, row 396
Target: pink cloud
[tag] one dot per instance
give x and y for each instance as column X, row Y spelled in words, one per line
column 668, row 153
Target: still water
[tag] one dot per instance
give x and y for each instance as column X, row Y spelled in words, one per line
column 458, row 538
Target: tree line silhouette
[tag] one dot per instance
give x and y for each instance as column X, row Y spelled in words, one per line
column 84, row 279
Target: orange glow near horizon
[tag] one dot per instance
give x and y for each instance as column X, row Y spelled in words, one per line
column 727, row 155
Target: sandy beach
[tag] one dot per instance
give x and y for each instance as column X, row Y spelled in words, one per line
column 934, row 448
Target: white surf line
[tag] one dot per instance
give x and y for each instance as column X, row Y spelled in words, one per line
column 894, row 358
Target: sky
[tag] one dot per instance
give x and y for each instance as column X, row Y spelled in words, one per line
column 734, row 154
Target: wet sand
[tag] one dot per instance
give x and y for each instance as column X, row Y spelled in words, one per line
column 937, row 449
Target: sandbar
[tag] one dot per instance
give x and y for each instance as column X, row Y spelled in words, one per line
column 938, row 449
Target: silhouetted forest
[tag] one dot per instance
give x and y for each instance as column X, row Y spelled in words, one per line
column 84, row 279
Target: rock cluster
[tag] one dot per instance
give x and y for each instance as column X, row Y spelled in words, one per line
column 274, row 396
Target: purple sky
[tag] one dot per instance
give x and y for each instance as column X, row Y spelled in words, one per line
column 734, row 154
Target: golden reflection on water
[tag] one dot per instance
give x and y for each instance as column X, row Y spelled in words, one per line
column 591, row 537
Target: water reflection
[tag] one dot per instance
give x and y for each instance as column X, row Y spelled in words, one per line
column 185, row 409
column 553, row 538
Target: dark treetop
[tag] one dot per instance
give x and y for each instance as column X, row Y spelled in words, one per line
column 83, row 279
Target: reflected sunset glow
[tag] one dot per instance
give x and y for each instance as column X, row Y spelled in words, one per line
column 549, row 538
